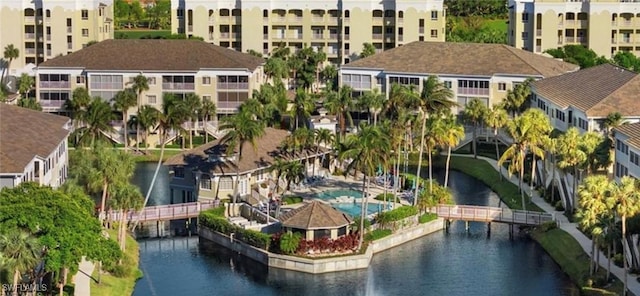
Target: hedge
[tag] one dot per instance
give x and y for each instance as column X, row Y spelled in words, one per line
column 427, row 217
column 397, row 214
column 377, row 234
column 214, row 219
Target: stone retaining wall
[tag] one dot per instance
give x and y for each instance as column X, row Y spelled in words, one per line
column 323, row 265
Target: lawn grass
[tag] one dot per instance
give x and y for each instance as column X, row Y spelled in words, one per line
column 111, row 285
column 139, row 33
column 483, row 171
column 496, row 24
column 154, row 155
column 487, row 150
column 566, row 251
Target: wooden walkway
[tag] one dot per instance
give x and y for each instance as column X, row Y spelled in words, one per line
column 164, row 212
column 491, row 214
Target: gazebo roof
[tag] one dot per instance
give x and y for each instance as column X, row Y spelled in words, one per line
column 315, row 215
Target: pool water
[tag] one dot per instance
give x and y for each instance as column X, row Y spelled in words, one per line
column 355, row 209
column 331, row 194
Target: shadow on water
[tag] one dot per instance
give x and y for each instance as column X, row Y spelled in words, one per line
column 454, row 263
column 160, row 195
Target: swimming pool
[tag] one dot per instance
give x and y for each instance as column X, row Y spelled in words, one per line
column 355, row 209
column 332, row 194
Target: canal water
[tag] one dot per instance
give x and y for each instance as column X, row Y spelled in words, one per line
column 454, row 263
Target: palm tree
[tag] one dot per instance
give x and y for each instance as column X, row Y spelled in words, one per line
column 139, row 84
column 372, row 101
column 255, row 107
column 26, row 83
column 516, row 98
column 433, row 97
column 242, row 129
column 475, row 111
column 540, row 130
column 10, row 53
column 192, row 103
column 627, row 203
column 434, row 133
column 496, row 118
column 302, row 107
column 125, row 197
column 123, row 101
column 279, row 166
column 611, row 122
column 593, row 193
column 147, row 119
column 368, row 150
column 30, row 103
column 294, row 172
column 207, row 109
column 97, row 122
column 340, row 103
column 77, row 106
column 452, row 134
column 276, row 68
column 571, row 157
column 23, row 251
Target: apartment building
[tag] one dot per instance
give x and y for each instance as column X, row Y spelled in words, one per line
column 33, row 147
column 584, row 98
column 627, row 153
column 471, row 70
column 605, row 26
column 44, row 29
column 337, row 27
column 179, row 67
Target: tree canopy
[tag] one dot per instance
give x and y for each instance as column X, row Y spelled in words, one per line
column 577, row 54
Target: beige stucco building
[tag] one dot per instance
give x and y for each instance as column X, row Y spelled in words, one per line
column 337, row 27
column 605, row 26
column 471, row 70
column 44, row 29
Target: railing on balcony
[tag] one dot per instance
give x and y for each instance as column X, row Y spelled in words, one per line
column 346, row 52
column 265, row 51
column 376, row 36
column 333, row 36
column 52, row 103
column 379, row 50
column 333, row 19
column 177, row 85
column 29, row 19
column 473, row 91
column 30, row 50
column 317, row 19
column 559, row 40
column 583, row 23
column 538, row 48
column 49, row 52
column 279, row 35
column 29, row 35
column 265, row 19
column 626, row 40
column 190, row 28
column 280, row 19
column 211, row 20
column 626, row 23
column 421, row 30
column 400, row 21
column 228, row 105
column 581, row 39
column 55, row 84
column 538, row 32
column 400, row 38
column 332, row 50
column 210, row 36
column 236, row 35
column 232, row 85
column 69, row 45
column 265, row 36
column 224, row 19
column 224, row 35
column 296, row 19
column 69, row 30
column 295, row 36
column 48, row 37
column 377, row 19
column 346, row 36
column 570, row 39
column 570, row 22
column 317, row 36
column 614, row 40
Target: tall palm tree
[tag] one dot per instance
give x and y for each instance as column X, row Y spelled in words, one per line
column 340, row 103
column 255, row 107
column 276, row 68
column 540, row 130
column 147, row 119
column 517, row 97
column 97, row 121
column 627, row 203
column 611, row 122
column 293, row 172
column 279, row 166
column 571, row 156
column 372, row 101
column 593, row 193
column 77, row 106
column 496, row 118
column 23, row 251
column 433, row 98
column 125, row 197
column 123, row 101
column 475, row 111
column 10, row 53
column 451, row 134
column 434, row 133
column 242, row 129
column 367, row 150
column 139, row 84
column 302, row 107
column 26, row 83
column 192, row 103
column 207, row 110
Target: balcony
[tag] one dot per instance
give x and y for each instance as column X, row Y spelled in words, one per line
column 538, row 32
column 570, row 22
column 400, row 21
column 333, row 36
column 614, row 40
column 538, row 48
column 581, row 39
column 626, row 23
column 295, row 36
column 279, row 19
column 625, row 40
column 265, row 20
column 225, row 35
column 55, row 104
column 346, row 52
column 69, row 30
column 400, row 38
column 296, row 19
column 29, row 19
column 346, row 36
column 190, row 28
column 30, row 50
column 55, row 84
column 210, row 36
column 473, row 91
column 583, row 23
column 228, row 105
column 265, row 36
column 232, row 85
column 378, row 20
column 30, row 35
column 570, row 39
column 211, row 21
column 421, row 30
column 177, row 85
column 317, row 19
column 224, row 19
column 317, row 36
column 48, row 52
column 48, row 37
column 265, row 51
column 332, row 50
column 376, row 36
column 236, row 35
column 560, row 23
column 69, row 45
column 333, row 19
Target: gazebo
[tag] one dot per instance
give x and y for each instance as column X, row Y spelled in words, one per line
column 316, row 220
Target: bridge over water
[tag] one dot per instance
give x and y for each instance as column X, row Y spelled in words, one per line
column 492, row 214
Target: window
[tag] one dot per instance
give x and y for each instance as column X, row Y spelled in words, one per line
column 560, row 115
column 434, row 15
column 106, row 82
column 357, row 81
column 151, row 80
column 85, row 32
column 54, row 95
column 404, row 80
column 622, row 147
column 525, row 17
column 178, row 172
column 233, row 82
column 583, row 124
column 151, row 99
column 525, row 35
column 447, row 84
column 542, row 105
column 205, row 182
column 621, row 170
column 421, row 38
column 206, row 98
column 502, row 86
column 634, row 158
column 226, row 184
column 434, row 33
column 180, row 13
column 85, row 14
column 380, row 80
column 206, row 80
column 80, row 79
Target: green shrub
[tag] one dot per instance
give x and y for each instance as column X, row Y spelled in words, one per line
column 292, row 199
column 214, row 219
column 218, row 211
column 617, row 260
column 356, row 223
column 548, row 226
column 254, row 238
column 289, row 242
column 397, row 214
column 377, row 234
column 381, row 196
column 427, row 217
column 121, row 271
column 559, row 206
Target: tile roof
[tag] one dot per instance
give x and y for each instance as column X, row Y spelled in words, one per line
column 268, row 150
column 154, row 55
column 441, row 58
column 632, row 131
column 597, row 91
column 315, row 215
column 25, row 134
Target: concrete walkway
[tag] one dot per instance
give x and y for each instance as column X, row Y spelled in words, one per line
column 83, row 278
column 570, row 228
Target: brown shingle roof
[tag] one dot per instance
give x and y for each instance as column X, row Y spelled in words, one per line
column 632, row 131
column 155, row 55
column 315, row 215
column 597, row 91
column 463, row 59
column 25, row 134
column 268, row 149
